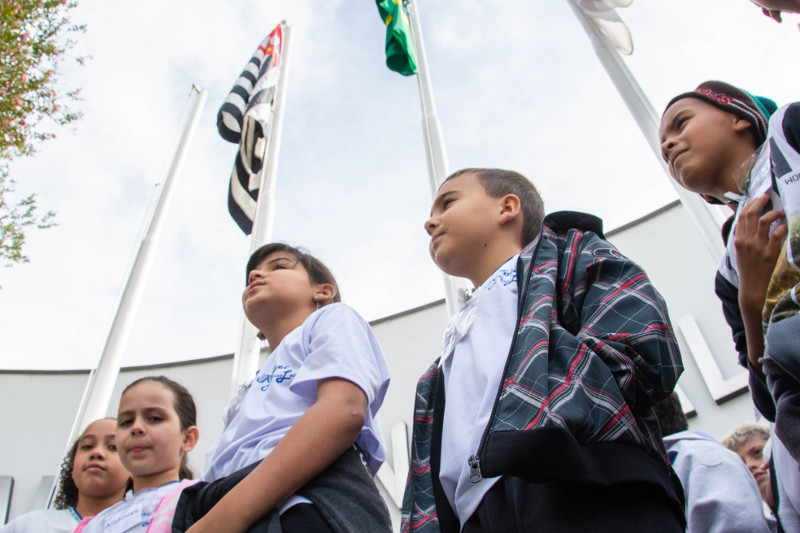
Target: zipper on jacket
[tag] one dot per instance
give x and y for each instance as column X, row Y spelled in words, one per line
column 474, row 469
column 474, row 460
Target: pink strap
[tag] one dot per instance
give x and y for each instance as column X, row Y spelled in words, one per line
column 161, row 521
column 82, row 524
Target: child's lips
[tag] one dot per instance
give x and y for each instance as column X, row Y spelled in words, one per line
column 435, row 240
column 675, row 158
column 255, row 284
column 94, row 467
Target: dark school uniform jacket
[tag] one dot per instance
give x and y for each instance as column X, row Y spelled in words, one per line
column 593, row 351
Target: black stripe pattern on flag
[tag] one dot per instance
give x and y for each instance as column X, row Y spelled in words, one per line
column 245, row 118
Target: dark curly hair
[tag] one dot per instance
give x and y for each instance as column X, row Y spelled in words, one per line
column 67, row 493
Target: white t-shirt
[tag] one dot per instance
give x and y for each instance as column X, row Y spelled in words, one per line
column 333, row 342
column 44, row 520
column 474, row 354
column 133, row 513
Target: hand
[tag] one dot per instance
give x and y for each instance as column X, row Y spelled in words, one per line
column 774, row 14
column 756, row 250
column 756, row 255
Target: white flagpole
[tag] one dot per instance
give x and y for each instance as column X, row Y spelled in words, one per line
column 245, row 360
column 706, row 221
column 97, row 394
column 438, row 168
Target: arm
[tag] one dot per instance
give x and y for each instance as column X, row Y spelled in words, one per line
column 623, row 319
column 756, row 255
column 315, row 441
column 722, row 496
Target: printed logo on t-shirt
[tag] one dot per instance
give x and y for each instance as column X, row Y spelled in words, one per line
column 503, row 277
column 280, row 374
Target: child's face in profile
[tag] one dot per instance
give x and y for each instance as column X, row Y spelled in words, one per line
column 699, row 143
column 279, row 281
column 462, row 222
column 752, row 453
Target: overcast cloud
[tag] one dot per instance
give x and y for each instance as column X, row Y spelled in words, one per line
column 517, row 85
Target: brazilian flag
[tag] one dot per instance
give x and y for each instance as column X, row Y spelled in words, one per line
column 400, row 56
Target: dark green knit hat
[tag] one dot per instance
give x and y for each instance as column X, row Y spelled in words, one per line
column 754, row 109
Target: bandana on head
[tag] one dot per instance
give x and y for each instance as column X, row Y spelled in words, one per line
column 754, row 109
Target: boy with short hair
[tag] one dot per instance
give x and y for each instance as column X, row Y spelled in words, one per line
column 538, row 415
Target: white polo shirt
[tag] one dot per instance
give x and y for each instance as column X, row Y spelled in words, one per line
column 333, row 342
column 474, row 354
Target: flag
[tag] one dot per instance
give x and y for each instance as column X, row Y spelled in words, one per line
column 400, row 56
column 608, row 23
column 245, row 118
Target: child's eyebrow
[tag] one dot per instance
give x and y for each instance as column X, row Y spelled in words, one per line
column 279, row 259
column 439, row 199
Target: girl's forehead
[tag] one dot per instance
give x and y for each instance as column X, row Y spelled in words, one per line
column 99, row 428
column 278, row 256
column 148, row 392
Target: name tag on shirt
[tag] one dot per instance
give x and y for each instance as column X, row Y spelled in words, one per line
column 129, row 520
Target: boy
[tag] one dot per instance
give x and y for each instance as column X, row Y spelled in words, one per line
column 549, row 371
column 710, row 139
column 757, row 294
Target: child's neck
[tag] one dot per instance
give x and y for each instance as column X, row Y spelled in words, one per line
column 484, row 269
column 276, row 328
column 155, row 480
column 92, row 505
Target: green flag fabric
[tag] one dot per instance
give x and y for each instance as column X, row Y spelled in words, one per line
column 400, row 56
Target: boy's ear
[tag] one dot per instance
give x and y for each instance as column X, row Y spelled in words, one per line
column 325, row 292
column 740, row 124
column 190, row 437
column 510, row 207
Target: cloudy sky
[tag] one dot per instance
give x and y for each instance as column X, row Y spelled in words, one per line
column 517, row 85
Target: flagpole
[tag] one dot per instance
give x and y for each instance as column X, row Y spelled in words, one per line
column 438, row 167
column 97, row 394
column 706, row 221
column 245, row 360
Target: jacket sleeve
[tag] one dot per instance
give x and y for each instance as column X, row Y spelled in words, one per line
column 619, row 315
column 729, row 296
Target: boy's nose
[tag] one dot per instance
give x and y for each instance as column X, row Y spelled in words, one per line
column 666, row 147
column 430, row 225
column 254, row 274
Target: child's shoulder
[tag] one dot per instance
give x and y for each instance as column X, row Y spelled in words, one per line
column 563, row 221
column 787, row 119
column 336, row 312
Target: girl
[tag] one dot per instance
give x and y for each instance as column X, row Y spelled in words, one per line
column 286, row 458
column 155, row 430
column 92, row 478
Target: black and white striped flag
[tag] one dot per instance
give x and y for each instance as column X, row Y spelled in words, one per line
column 245, row 118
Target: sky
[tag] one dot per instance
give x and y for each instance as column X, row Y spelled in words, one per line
column 517, row 85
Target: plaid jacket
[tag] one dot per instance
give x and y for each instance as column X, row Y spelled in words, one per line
column 594, row 350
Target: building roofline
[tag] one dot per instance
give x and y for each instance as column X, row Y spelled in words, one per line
column 375, row 322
